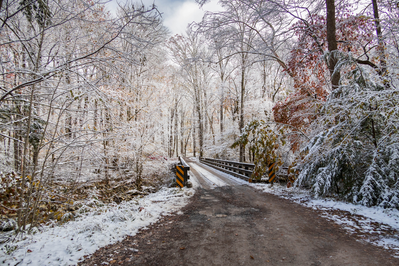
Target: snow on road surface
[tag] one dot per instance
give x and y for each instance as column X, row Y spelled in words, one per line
column 68, row 243
column 194, row 180
column 210, row 178
column 234, row 179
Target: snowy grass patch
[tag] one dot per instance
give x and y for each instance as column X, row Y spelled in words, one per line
column 376, row 225
column 68, row 243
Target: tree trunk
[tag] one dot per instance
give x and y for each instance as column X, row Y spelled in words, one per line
column 182, row 132
column 210, row 121
column 185, row 144
column 106, row 144
column 171, row 151
column 23, row 200
column 194, row 144
column 95, row 115
column 221, row 109
column 176, row 139
column 198, row 109
column 24, row 203
column 200, row 130
column 68, row 124
column 381, row 44
column 241, row 122
column 332, row 43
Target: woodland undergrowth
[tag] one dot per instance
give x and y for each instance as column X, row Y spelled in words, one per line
column 62, row 201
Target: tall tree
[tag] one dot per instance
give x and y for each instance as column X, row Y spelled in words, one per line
column 381, row 44
column 332, row 43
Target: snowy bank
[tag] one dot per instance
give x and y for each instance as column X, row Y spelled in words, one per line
column 68, row 243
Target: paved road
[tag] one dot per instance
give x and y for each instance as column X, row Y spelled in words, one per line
column 228, row 223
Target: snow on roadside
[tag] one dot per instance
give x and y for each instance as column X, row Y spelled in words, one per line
column 68, row 243
column 373, row 224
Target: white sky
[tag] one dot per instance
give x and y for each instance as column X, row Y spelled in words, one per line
column 177, row 14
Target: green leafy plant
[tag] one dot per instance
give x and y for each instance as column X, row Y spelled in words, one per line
column 266, row 144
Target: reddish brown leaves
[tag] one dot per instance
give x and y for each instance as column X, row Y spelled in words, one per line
column 308, row 67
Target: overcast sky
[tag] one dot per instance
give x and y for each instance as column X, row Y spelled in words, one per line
column 176, row 13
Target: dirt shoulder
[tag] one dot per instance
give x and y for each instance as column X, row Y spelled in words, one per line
column 236, row 225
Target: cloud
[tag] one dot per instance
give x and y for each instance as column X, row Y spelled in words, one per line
column 182, row 16
column 177, row 14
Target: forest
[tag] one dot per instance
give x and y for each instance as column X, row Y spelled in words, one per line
column 94, row 99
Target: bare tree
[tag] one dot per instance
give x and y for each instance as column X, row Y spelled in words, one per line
column 57, row 89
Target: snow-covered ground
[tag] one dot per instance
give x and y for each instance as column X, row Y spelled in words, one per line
column 68, row 243
column 101, row 226
column 373, row 224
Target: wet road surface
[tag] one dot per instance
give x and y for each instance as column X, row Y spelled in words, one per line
column 229, row 223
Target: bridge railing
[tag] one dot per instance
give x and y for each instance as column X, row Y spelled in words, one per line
column 237, row 169
column 183, row 162
column 244, row 170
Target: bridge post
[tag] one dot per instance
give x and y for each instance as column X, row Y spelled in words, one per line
column 182, row 173
column 272, row 174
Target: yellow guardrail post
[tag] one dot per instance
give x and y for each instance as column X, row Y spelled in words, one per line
column 182, row 173
column 272, row 174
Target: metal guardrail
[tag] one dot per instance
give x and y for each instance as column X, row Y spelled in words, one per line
column 237, row 169
column 183, row 162
column 242, row 170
